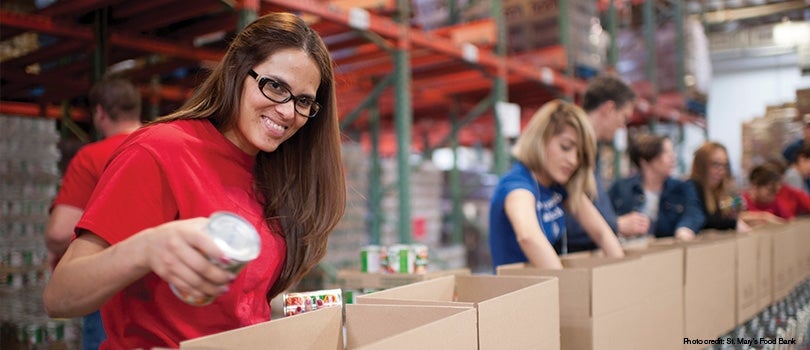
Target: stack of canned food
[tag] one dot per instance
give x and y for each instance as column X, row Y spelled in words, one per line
column 29, row 178
column 22, row 264
column 398, row 258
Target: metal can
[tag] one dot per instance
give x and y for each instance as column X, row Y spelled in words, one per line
column 370, row 258
column 239, row 242
column 401, row 258
column 54, row 330
column 33, row 333
column 421, row 258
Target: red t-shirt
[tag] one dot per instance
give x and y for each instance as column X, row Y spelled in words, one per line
column 170, row 171
column 84, row 171
column 789, row 203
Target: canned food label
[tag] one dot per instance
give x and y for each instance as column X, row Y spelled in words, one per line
column 301, row 302
column 370, row 259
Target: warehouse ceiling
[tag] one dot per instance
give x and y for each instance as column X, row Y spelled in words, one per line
column 48, row 49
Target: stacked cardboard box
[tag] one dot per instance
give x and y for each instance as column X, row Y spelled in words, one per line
column 535, row 24
column 633, row 62
column 765, row 138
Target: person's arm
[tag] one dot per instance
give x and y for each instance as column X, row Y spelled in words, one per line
column 59, row 230
column 757, row 218
column 596, row 227
column 633, row 224
column 692, row 218
column 804, row 201
column 91, row 271
column 520, row 209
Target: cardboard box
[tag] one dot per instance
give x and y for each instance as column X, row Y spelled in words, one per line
column 354, row 279
column 764, row 269
column 367, row 327
column 784, row 262
column 597, row 309
column 746, row 269
column 709, row 288
column 804, row 247
column 662, row 312
column 513, row 312
column 319, row 329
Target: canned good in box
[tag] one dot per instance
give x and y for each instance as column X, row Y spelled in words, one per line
column 301, row 302
column 370, row 258
column 401, row 259
column 237, row 239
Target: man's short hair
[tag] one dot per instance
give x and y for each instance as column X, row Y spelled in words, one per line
column 606, row 88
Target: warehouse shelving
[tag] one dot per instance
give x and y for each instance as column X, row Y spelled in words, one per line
column 396, row 81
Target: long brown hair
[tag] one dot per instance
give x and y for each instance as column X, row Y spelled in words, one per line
column 700, row 174
column 301, row 184
column 550, row 120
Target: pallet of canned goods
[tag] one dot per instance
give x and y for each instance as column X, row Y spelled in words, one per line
column 398, row 258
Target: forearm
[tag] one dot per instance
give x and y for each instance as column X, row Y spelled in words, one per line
column 540, row 254
column 60, row 226
column 599, row 230
column 90, row 273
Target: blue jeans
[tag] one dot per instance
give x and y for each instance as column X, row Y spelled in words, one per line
column 92, row 331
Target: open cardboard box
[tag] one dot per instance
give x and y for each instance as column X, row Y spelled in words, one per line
column 367, row 327
column 355, row 279
column 745, row 272
column 709, row 285
column 662, row 311
column 513, row 312
column 600, row 298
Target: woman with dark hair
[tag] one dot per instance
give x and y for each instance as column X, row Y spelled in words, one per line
column 711, row 177
column 553, row 174
column 259, row 138
column 767, row 193
column 671, row 204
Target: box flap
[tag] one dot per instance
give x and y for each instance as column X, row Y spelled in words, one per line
column 746, row 277
column 318, row 329
column 530, row 311
column 438, row 289
column 709, row 289
column 662, row 264
column 479, row 288
column 355, row 279
column 574, row 287
column 410, row 327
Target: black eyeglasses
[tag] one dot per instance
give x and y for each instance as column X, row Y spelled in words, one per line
column 280, row 93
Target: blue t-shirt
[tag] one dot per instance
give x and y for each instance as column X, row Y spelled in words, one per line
column 503, row 244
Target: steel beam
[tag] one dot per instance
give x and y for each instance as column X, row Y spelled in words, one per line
column 46, row 25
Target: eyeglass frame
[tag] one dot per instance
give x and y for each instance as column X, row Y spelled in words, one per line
column 263, row 80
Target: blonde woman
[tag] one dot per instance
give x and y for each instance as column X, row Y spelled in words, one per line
column 553, row 173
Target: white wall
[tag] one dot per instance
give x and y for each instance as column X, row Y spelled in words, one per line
column 741, row 90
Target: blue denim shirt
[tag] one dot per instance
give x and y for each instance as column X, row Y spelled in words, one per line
column 578, row 239
column 679, row 205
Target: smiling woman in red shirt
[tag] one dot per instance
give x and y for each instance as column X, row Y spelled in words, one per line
column 259, row 138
